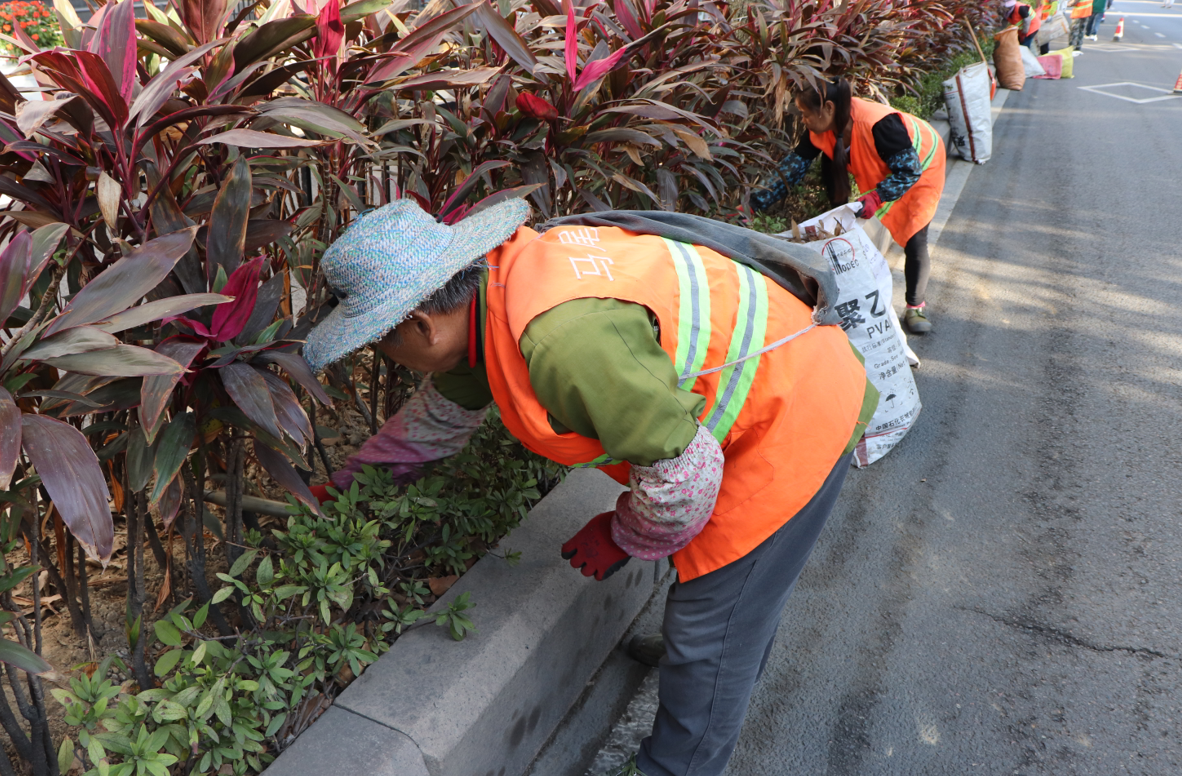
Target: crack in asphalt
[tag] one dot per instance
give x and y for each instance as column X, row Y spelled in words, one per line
column 1064, row 637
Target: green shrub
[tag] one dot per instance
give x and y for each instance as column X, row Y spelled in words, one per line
column 318, row 600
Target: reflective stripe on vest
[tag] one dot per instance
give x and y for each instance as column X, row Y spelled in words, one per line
column 918, row 128
column 693, row 339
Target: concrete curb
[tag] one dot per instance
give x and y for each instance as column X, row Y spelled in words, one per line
column 485, row 706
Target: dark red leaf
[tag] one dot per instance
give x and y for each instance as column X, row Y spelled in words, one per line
column 74, row 480
column 170, row 502
column 227, row 222
column 97, row 78
column 469, row 183
column 285, row 474
column 204, row 17
column 627, row 17
column 243, row 285
column 297, row 369
column 116, row 44
column 418, row 44
column 197, row 327
column 271, row 38
column 169, row 307
column 249, row 391
column 532, row 105
column 161, row 87
column 571, row 48
column 10, row 437
column 15, row 273
column 124, row 282
column 506, row 36
column 329, row 31
column 291, row 414
column 172, row 452
column 157, row 389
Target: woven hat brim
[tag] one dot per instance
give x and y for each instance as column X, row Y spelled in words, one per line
column 338, row 335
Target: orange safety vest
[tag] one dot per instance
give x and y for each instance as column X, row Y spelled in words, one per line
column 1028, row 26
column 1082, row 9
column 782, row 415
column 915, row 209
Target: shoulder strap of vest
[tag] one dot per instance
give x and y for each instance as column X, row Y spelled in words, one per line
column 920, row 131
column 797, row 269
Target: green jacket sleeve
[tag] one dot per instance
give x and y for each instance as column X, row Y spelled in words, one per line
column 597, row 367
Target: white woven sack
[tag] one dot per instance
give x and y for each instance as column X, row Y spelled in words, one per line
column 1030, row 61
column 864, row 288
column 1054, row 32
column 970, row 112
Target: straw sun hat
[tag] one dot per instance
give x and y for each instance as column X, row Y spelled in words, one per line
column 391, row 259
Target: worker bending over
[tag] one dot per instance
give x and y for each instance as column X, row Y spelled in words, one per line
column 704, row 386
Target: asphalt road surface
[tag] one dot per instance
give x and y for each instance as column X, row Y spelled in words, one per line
column 1002, row 594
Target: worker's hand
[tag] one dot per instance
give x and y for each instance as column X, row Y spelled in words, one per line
column 871, row 202
column 593, row 551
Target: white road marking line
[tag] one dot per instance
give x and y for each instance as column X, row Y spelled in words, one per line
column 1158, row 34
column 1168, row 95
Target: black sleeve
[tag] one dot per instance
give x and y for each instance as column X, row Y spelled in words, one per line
column 805, row 148
column 890, row 137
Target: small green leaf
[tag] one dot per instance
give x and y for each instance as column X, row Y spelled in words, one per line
column 166, row 662
column 65, row 755
column 222, row 595
column 168, row 633
column 199, row 617
column 242, row 563
column 199, row 653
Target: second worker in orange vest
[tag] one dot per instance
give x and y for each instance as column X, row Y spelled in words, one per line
column 897, row 161
column 570, row 332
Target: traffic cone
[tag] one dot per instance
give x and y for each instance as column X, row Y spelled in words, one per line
column 1120, row 29
column 1178, row 85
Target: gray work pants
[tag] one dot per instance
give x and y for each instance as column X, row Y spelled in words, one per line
column 718, row 631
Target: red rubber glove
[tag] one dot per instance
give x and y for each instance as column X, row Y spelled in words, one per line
column 320, row 492
column 593, row 551
column 871, row 202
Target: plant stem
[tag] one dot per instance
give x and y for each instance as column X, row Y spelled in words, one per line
column 135, row 511
column 317, row 443
column 195, row 543
column 6, row 768
column 84, row 591
column 375, row 375
column 16, row 733
column 235, row 462
column 154, row 541
column 55, row 577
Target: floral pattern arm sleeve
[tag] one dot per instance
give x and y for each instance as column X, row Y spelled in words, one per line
column 428, row 427
column 668, row 503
